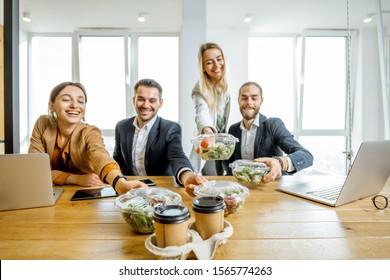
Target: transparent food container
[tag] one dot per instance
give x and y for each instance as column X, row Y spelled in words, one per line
column 219, row 146
column 248, row 171
column 137, row 206
column 233, row 194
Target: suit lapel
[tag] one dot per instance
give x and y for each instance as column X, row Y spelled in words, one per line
column 151, row 139
column 130, row 129
column 238, row 132
column 259, row 135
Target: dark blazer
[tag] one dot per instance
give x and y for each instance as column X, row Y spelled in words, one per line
column 164, row 155
column 272, row 139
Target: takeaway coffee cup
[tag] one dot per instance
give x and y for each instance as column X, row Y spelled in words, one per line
column 171, row 225
column 209, row 215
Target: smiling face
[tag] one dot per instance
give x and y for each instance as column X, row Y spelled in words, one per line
column 213, row 64
column 249, row 101
column 69, row 105
column 147, row 102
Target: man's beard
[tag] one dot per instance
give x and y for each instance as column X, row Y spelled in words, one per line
column 249, row 115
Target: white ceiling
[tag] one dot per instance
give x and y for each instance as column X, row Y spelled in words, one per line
column 269, row 16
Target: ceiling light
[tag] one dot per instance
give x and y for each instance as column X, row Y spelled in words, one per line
column 26, row 17
column 248, row 18
column 368, row 18
column 141, row 17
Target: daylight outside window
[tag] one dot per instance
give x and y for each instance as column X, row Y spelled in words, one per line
column 51, row 65
column 275, row 63
column 158, row 59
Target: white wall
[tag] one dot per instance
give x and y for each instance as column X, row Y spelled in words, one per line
column 195, row 32
column 368, row 114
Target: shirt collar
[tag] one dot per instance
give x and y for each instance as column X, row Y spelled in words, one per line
column 148, row 125
column 255, row 124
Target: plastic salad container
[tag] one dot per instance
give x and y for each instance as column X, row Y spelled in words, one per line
column 137, row 206
column 233, row 194
column 248, row 171
column 219, row 146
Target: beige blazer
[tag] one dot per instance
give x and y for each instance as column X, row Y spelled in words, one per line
column 87, row 150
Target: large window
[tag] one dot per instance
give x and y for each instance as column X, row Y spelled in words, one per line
column 271, row 65
column 324, row 83
column 51, row 64
column 158, row 58
column 102, row 72
column 304, row 83
column 108, row 66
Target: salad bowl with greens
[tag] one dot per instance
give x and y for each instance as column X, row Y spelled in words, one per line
column 218, row 146
column 137, row 206
column 248, row 171
column 233, row 194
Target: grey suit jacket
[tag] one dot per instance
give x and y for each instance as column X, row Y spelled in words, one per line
column 272, row 139
column 164, row 155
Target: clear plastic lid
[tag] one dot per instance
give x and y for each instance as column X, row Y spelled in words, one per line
column 222, row 188
column 138, row 205
column 217, row 137
column 246, row 163
column 248, row 171
column 142, row 198
column 219, row 146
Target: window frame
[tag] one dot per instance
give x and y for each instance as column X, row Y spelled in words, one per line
column 298, row 91
column 131, row 69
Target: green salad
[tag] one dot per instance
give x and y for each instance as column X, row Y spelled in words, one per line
column 138, row 205
column 139, row 217
column 249, row 172
column 217, row 151
column 233, row 194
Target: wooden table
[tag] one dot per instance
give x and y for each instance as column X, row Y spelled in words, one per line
column 271, row 225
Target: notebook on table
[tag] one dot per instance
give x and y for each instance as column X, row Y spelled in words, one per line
column 367, row 176
column 25, row 181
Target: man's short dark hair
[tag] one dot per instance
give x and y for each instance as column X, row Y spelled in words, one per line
column 150, row 83
column 251, row 84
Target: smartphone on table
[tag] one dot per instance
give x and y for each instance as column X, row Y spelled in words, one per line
column 147, row 181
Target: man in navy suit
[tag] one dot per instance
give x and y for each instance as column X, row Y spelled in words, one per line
column 265, row 139
column 150, row 145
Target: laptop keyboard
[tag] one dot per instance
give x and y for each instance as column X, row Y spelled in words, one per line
column 328, row 193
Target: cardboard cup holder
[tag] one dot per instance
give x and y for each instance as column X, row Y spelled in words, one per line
column 203, row 249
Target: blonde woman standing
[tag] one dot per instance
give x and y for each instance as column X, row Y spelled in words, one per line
column 212, row 102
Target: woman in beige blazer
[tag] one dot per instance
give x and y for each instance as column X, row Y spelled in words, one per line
column 77, row 152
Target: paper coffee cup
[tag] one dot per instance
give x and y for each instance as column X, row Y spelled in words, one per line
column 209, row 215
column 171, row 225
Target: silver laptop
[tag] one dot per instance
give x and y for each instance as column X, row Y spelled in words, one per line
column 25, row 181
column 367, row 176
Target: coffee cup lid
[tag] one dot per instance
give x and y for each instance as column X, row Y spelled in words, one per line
column 171, row 214
column 208, row 204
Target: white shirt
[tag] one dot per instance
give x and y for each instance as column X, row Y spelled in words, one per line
column 139, row 146
column 248, row 139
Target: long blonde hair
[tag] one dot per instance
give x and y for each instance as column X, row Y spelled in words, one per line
column 208, row 90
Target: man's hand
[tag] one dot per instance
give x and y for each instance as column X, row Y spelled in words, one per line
column 123, row 186
column 191, row 180
column 275, row 169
